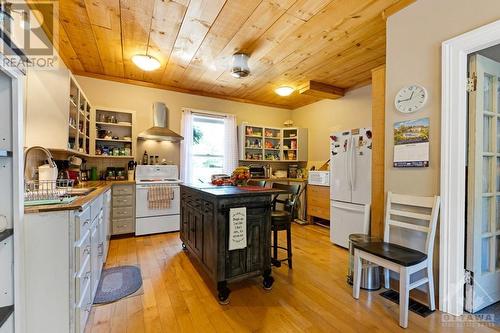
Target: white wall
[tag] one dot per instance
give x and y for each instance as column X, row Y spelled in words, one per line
column 140, row 99
column 354, row 110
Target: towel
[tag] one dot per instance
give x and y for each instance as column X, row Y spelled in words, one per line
column 159, row 196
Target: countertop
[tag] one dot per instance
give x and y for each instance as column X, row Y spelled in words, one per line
column 79, row 202
column 281, row 179
column 233, row 191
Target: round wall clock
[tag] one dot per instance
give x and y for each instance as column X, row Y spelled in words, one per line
column 410, row 99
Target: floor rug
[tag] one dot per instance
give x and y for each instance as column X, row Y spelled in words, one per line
column 117, row 283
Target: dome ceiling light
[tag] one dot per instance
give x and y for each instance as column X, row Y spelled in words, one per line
column 284, row 91
column 146, row 62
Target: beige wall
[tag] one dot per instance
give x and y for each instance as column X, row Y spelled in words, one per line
column 140, row 99
column 414, row 37
column 323, row 117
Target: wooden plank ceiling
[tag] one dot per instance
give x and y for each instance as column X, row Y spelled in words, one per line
column 290, row 42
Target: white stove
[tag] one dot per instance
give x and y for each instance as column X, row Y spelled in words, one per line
column 152, row 221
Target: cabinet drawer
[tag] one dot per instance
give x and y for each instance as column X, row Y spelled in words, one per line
column 123, row 190
column 321, row 212
column 123, row 201
column 123, row 212
column 82, row 223
column 82, row 249
column 82, row 278
column 318, row 191
column 83, row 309
column 124, row 226
column 318, row 202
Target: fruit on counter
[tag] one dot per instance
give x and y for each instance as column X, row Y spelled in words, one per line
column 240, row 175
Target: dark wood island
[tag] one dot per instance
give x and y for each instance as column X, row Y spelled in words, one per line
column 205, row 231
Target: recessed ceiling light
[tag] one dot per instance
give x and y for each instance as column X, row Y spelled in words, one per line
column 146, row 62
column 284, row 91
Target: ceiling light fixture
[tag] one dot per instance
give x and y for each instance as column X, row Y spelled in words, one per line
column 284, row 91
column 146, row 62
column 240, row 66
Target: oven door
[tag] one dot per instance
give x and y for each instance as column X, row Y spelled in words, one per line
column 141, row 203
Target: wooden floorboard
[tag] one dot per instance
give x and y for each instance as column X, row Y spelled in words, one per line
column 313, row 297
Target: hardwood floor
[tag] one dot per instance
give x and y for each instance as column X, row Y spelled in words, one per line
column 313, row 297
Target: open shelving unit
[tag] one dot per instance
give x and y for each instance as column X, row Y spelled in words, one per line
column 79, row 120
column 272, row 144
column 114, row 133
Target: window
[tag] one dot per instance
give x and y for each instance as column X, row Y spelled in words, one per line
column 207, row 153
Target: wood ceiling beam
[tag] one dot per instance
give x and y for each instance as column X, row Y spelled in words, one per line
column 396, row 8
column 321, row 90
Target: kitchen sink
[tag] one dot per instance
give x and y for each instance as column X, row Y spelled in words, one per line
column 80, row 191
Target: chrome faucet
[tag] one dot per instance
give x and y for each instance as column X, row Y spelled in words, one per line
column 50, row 159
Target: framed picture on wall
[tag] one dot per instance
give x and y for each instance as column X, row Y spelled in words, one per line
column 411, row 143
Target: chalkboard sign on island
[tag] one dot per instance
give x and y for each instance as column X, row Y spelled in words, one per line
column 227, row 232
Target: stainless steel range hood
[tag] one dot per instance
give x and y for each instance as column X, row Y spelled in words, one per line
column 160, row 131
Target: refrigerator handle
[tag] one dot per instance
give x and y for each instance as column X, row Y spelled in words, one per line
column 353, row 163
column 346, row 164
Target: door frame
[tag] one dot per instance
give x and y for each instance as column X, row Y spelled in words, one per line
column 454, row 110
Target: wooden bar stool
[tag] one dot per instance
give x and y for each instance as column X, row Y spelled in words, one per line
column 281, row 220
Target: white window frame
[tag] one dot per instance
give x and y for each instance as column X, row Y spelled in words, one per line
column 207, row 114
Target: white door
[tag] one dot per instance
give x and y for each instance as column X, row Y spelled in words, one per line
column 483, row 197
column 340, row 182
column 347, row 218
column 361, row 166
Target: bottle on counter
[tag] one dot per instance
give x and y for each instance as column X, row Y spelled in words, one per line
column 145, row 158
column 151, row 160
column 157, row 160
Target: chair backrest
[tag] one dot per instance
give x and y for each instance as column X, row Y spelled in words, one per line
column 293, row 192
column 404, row 210
column 255, row 182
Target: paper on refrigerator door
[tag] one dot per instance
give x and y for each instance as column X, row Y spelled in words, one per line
column 237, row 228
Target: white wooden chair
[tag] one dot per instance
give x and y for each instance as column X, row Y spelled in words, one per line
column 400, row 259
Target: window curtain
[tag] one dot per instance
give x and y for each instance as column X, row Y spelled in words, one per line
column 186, row 145
column 231, row 144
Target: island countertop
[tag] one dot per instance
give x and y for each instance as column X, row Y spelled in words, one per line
column 233, row 191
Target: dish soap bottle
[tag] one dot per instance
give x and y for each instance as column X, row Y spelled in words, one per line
column 145, row 158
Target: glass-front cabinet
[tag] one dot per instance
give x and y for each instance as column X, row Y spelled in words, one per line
column 273, row 144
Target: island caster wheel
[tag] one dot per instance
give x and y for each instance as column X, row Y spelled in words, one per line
column 223, row 297
column 268, row 283
column 184, row 246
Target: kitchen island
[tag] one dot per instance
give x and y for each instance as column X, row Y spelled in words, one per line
column 208, row 219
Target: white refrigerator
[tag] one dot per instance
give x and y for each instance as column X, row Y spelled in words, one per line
column 350, row 184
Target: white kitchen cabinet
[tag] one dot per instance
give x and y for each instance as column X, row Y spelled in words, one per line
column 106, row 227
column 47, row 108
column 94, row 256
column 57, row 112
column 64, row 258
